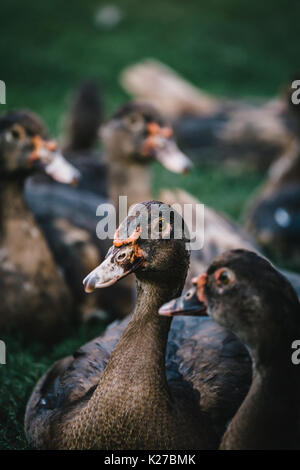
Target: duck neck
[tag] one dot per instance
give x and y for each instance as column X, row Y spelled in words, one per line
column 268, row 418
column 134, row 381
column 127, row 177
column 146, row 337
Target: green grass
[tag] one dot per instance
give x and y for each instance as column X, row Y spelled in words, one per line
column 226, row 47
column 223, row 188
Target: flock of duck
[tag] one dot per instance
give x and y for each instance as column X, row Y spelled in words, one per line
column 206, row 370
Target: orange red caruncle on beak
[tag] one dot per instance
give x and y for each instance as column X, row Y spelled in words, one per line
column 126, row 241
column 155, row 131
column 131, row 240
column 39, row 144
column 200, row 282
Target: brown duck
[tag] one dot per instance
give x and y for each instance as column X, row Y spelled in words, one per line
column 133, row 138
column 136, row 387
column 245, row 294
column 35, row 298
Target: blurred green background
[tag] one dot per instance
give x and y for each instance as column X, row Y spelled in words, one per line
column 227, row 47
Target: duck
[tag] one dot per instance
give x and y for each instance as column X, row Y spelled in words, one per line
column 138, row 385
column 245, row 294
column 272, row 214
column 36, row 300
column 133, row 137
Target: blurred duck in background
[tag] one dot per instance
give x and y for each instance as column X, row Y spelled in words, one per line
column 273, row 215
column 252, row 133
column 244, row 294
column 35, row 299
column 135, row 136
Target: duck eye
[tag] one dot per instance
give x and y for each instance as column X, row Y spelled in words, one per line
column 133, row 119
column 135, row 122
column 160, row 228
column 160, row 225
column 224, row 277
column 16, row 132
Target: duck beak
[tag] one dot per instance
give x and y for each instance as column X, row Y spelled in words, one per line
column 160, row 145
column 119, row 262
column 168, row 154
column 53, row 162
column 187, row 304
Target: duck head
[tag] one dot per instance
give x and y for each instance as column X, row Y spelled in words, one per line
column 24, row 147
column 137, row 132
column 244, row 293
column 148, row 242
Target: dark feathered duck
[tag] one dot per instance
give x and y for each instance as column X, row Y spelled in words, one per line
column 35, row 299
column 245, row 294
column 141, row 385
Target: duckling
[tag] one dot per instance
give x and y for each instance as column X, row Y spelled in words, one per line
column 138, row 386
column 245, row 294
column 35, row 297
column 132, row 138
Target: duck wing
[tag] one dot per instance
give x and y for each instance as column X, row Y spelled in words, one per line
column 200, row 355
column 68, row 384
column 210, row 359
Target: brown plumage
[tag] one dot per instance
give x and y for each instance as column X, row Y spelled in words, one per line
column 141, row 386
